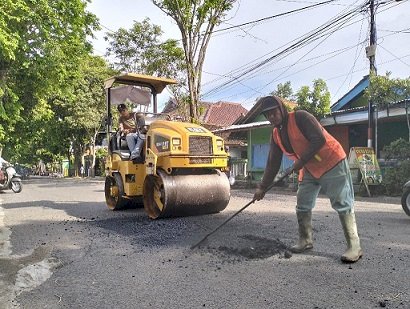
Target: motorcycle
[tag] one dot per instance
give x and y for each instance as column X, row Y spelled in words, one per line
column 11, row 180
column 405, row 198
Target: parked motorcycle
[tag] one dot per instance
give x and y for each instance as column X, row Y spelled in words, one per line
column 405, row 198
column 11, row 179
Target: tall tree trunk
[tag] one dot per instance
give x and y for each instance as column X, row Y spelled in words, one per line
column 408, row 119
column 93, row 153
column 78, row 157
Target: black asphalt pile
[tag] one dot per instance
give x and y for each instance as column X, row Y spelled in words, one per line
column 254, row 247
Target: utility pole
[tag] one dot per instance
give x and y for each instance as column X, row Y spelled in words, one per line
column 371, row 54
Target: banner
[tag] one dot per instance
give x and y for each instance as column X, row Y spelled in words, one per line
column 364, row 159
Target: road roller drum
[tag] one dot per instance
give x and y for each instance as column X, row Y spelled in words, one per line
column 186, row 194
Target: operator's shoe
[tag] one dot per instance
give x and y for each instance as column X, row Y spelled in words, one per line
column 135, row 154
column 305, row 232
column 354, row 251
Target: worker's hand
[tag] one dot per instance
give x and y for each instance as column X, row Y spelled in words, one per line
column 259, row 194
column 298, row 165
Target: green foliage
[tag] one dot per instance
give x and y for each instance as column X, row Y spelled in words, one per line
column 284, row 91
column 196, row 21
column 42, row 46
column 140, row 49
column 399, row 150
column 395, row 177
column 315, row 101
column 101, row 155
column 384, row 90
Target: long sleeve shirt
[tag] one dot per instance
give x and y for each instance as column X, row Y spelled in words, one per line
column 311, row 130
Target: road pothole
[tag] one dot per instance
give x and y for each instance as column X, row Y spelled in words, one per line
column 254, row 247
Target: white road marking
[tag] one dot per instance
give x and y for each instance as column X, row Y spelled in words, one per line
column 34, row 275
column 5, row 245
column 28, row 277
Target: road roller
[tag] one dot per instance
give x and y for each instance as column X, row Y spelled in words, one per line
column 181, row 168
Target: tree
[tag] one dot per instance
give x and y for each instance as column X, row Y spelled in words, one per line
column 139, row 49
column 196, row 20
column 284, row 91
column 79, row 117
column 316, row 101
column 44, row 44
column 384, row 90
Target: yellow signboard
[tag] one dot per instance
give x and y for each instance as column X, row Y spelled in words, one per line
column 364, row 159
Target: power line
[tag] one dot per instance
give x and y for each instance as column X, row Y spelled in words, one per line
column 274, row 16
column 355, row 60
column 305, row 40
column 394, row 55
column 364, row 68
column 247, row 69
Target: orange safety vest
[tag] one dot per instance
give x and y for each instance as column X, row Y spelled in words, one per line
column 324, row 160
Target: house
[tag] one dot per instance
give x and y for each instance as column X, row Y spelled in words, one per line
column 348, row 121
column 215, row 116
column 256, row 131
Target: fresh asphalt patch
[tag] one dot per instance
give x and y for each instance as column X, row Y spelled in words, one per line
column 251, row 247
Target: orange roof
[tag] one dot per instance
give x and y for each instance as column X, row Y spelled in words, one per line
column 223, row 114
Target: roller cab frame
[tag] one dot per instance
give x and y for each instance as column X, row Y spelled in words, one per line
column 181, row 170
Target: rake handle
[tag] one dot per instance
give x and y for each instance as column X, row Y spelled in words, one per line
column 280, row 178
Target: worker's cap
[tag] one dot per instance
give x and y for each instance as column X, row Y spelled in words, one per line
column 268, row 103
column 121, row 107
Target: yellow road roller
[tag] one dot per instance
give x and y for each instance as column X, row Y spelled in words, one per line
column 180, row 172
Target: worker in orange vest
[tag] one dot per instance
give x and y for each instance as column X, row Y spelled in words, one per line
column 322, row 165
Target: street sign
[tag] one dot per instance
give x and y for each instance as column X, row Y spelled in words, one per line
column 364, row 159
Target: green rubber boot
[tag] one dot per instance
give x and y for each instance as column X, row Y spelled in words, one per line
column 305, row 232
column 354, row 251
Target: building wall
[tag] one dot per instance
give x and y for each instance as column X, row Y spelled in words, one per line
column 358, row 135
column 258, row 149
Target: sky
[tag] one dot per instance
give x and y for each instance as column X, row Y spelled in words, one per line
column 245, row 63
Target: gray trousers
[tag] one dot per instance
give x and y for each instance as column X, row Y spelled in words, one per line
column 135, row 142
column 336, row 184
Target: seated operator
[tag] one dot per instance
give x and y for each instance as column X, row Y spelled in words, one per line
column 132, row 125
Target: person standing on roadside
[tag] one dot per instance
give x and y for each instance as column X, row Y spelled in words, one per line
column 321, row 162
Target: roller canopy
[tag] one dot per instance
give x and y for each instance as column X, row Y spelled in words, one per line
column 156, row 83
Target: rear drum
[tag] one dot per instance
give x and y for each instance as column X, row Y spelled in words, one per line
column 114, row 192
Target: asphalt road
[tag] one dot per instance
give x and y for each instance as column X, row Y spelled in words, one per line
column 60, row 247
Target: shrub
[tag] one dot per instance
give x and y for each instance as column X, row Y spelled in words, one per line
column 395, row 177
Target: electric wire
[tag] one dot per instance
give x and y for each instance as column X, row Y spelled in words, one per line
column 354, row 63
column 297, row 44
column 330, row 55
column 307, row 39
column 239, row 78
column 274, row 16
column 399, row 59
